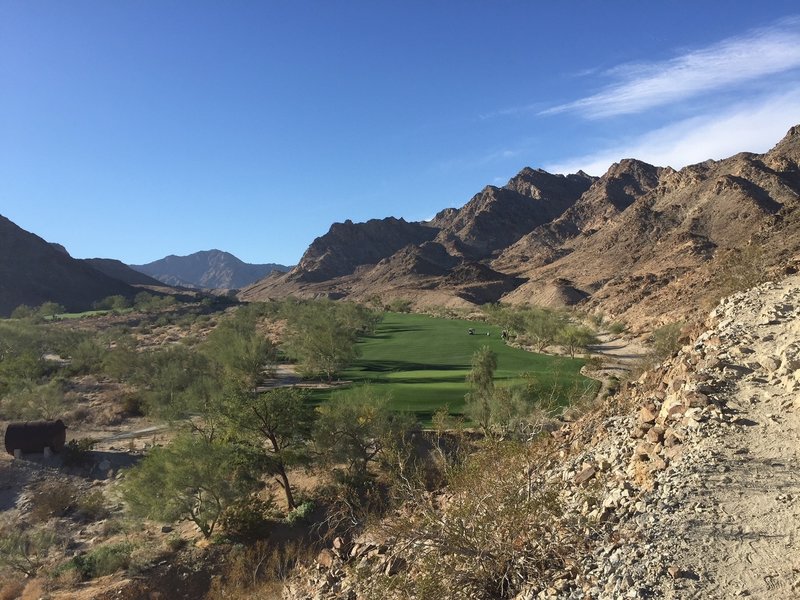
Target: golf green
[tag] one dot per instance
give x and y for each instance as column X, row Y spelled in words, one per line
column 422, row 362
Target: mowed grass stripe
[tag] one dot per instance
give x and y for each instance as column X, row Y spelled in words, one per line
column 422, row 363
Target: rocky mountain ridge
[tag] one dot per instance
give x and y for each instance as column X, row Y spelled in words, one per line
column 641, row 243
column 33, row 271
column 208, row 269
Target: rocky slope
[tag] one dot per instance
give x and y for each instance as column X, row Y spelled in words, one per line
column 642, row 243
column 32, row 271
column 497, row 217
column 119, row 270
column 658, row 256
column 209, row 269
column 440, row 262
column 683, row 486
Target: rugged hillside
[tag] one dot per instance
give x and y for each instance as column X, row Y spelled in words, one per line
column 683, row 485
column 32, row 271
column 119, row 270
column 662, row 255
column 608, row 196
column 643, row 243
column 440, row 262
column 209, row 269
column 348, row 246
column 497, row 217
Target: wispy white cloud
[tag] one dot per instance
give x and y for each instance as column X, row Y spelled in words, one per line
column 511, row 111
column 492, row 157
column 733, row 61
column 753, row 126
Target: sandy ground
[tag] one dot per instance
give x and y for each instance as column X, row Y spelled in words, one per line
column 739, row 526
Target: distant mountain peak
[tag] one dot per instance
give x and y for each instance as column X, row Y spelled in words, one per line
column 207, row 269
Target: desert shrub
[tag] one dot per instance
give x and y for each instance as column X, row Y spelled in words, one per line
column 240, row 350
column 504, row 526
column 666, row 340
column 356, row 426
column 76, row 453
column 617, row 327
column 192, row 479
column 23, row 311
column 24, row 549
column 132, row 404
column 146, row 302
column 122, row 361
column 280, row 421
column 32, row 402
column 91, row 507
column 739, row 269
column 301, row 513
column 249, row 518
column 116, row 302
column 50, row 499
column 321, row 335
column 103, row 560
column 400, row 305
column 50, row 309
column 350, row 501
column 594, row 362
column 575, row 337
column 259, row 570
column 144, row 556
column 173, row 381
column 87, row 357
column 613, row 385
column 175, row 542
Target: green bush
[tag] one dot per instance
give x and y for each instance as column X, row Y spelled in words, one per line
column 400, row 305
column 23, row 311
column 301, row 513
column 192, row 479
column 31, row 402
column 666, row 340
column 175, row 542
column 87, row 357
column 249, row 518
column 103, row 560
column 76, row 452
column 617, row 328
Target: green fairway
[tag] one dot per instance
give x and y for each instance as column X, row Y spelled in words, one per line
column 422, row 363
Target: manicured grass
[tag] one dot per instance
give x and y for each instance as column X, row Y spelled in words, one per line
column 90, row 313
column 78, row 315
column 422, row 363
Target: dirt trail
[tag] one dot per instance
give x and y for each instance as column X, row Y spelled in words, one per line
column 735, row 525
column 620, row 356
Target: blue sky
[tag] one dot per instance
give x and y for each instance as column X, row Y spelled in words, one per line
column 136, row 129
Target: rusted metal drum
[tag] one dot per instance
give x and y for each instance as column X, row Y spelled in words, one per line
column 32, row 437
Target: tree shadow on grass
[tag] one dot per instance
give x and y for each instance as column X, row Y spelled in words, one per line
column 393, row 366
column 388, row 331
